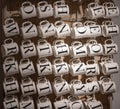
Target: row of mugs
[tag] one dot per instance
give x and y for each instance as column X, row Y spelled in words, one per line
column 44, row 102
column 60, row 29
column 59, row 87
column 60, row 9
column 59, row 48
column 44, row 9
column 108, row 9
column 59, row 67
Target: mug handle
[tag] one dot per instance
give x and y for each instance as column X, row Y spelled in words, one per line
column 25, row 98
column 108, row 22
column 43, row 98
column 42, row 41
column 90, row 62
column 74, row 60
column 58, row 60
column 58, row 42
column 44, row 22
column 26, row 3
column 59, row 3
column 26, row 80
column 93, row 4
column 23, row 61
column 75, row 43
column 42, row 60
column 77, row 24
column 9, row 59
column 8, row 41
column 58, row 80
column 88, row 23
column 25, row 42
column 9, row 79
column 42, row 3
column 91, row 41
column 9, row 20
column 42, row 79
column 76, row 81
column 72, row 98
column 90, row 79
column 26, row 23
column 105, row 79
column 59, row 23
column 109, row 41
column 108, row 4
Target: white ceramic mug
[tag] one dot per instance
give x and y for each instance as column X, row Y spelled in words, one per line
column 92, row 68
column 111, row 9
column 94, row 48
column 75, row 103
column 60, row 9
column 10, row 85
column 110, row 47
column 60, row 67
column 28, row 49
column 60, row 48
column 44, row 9
column 26, row 67
column 44, row 67
column 92, row 86
column 107, row 85
column 28, row 10
column 44, row 48
column 29, row 30
column 11, row 102
column 27, row 102
column 46, row 29
column 109, row 29
column 92, row 103
column 62, row 29
column 78, row 88
column 10, row 66
column 43, row 86
column 9, row 47
column 94, row 11
column 10, row 27
column 109, row 67
column 44, row 102
column 58, row 104
column 77, row 67
column 60, row 86
column 78, row 50
column 28, row 86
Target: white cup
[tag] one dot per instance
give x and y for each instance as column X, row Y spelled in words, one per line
column 107, row 85
column 60, row 87
column 28, row 49
column 27, row 102
column 11, row 102
column 10, row 85
column 44, row 67
column 44, row 10
column 9, row 47
column 92, row 86
column 10, row 27
column 78, row 50
column 109, row 67
column 29, row 30
column 60, row 9
column 60, row 48
column 28, row 86
column 78, row 88
column 94, row 48
column 62, row 29
column 77, row 67
column 60, row 67
column 87, row 30
column 92, row 103
column 94, row 11
column 10, row 66
column 46, row 29
column 58, row 104
column 92, row 68
column 44, row 102
column 111, row 10
column 110, row 48
column 43, row 86
column 28, row 10
column 26, row 67
column 75, row 103
column 109, row 29
column 44, row 48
